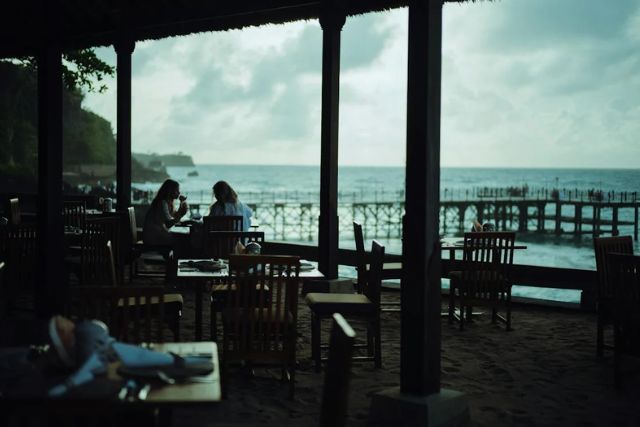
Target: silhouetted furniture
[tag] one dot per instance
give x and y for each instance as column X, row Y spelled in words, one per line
column 74, row 213
column 93, row 257
column 3, row 298
column 221, row 244
column 603, row 246
column 19, row 249
column 133, row 313
column 14, row 212
column 222, row 223
column 362, row 266
column 99, row 257
column 485, row 276
column 625, row 275
column 335, row 393
column 365, row 305
column 155, row 255
column 261, row 311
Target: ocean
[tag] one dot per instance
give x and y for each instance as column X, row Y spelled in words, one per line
column 255, row 183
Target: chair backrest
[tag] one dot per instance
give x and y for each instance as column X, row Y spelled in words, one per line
column 361, row 256
column 3, row 298
column 222, row 223
column 98, row 231
column 625, row 280
column 94, row 256
column 335, row 392
column 133, row 313
column 374, row 282
column 14, row 211
column 19, row 248
column 221, row 244
column 487, row 260
column 262, row 305
column 603, row 246
column 74, row 213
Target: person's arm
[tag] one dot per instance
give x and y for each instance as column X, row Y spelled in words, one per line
column 171, row 220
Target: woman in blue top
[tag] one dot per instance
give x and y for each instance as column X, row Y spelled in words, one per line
column 227, row 204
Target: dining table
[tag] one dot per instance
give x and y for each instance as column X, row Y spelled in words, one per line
column 190, row 275
column 111, row 392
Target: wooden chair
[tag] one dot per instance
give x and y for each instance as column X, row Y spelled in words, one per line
column 362, row 266
column 221, row 244
column 105, row 277
column 94, row 257
column 222, row 223
column 19, row 249
column 365, row 305
column 74, row 213
column 133, row 313
column 625, row 278
column 14, row 212
column 485, row 276
column 603, row 246
column 143, row 252
column 3, row 298
column 335, row 392
column 261, row 312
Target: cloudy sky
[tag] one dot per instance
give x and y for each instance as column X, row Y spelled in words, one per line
column 526, row 83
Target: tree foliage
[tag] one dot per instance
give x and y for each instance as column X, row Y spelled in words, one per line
column 87, row 137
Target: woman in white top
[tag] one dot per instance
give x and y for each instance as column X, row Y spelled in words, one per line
column 162, row 214
column 227, row 204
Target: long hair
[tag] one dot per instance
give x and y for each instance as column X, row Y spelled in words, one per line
column 165, row 193
column 223, row 193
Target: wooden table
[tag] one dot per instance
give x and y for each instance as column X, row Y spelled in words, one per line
column 31, row 399
column 197, row 390
column 196, row 278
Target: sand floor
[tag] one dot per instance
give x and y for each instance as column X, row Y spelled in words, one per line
column 543, row 373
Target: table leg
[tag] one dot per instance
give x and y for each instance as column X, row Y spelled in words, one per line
column 198, row 297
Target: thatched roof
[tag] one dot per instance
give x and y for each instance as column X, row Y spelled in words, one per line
column 26, row 24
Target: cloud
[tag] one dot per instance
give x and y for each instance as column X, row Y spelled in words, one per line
column 525, row 83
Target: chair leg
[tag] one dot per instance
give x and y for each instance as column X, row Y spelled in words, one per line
column 378, row 341
column 213, row 323
column 494, row 315
column 370, row 340
column 315, row 340
column 452, row 302
column 600, row 336
column 292, row 380
column 462, row 315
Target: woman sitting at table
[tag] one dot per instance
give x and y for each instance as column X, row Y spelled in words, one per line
column 162, row 214
column 227, row 204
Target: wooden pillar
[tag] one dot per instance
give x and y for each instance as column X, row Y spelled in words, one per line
column 558, row 217
column 332, row 19
column 124, row 48
column 577, row 228
column 523, row 212
column 614, row 221
column 420, row 319
column 50, row 274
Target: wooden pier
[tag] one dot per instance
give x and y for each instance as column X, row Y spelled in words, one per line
column 295, row 216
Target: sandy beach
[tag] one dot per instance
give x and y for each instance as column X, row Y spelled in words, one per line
column 543, row 373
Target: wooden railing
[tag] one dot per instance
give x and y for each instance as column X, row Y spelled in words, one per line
column 525, row 275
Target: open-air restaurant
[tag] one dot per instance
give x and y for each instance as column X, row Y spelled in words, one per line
column 415, row 311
